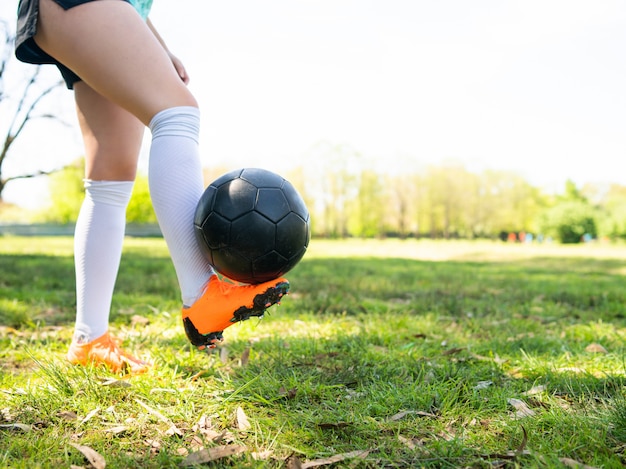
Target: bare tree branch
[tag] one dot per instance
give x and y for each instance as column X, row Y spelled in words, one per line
column 32, row 175
column 30, row 98
column 14, row 132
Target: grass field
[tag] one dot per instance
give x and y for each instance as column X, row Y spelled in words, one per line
column 386, row 354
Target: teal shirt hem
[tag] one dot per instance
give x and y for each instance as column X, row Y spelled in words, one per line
column 142, row 6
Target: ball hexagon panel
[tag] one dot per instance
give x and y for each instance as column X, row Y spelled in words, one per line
column 233, row 265
column 292, row 233
column 252, row 235
column 205, row 205
column 216, row 231
column 234, row 198
column 269, row 266
column 272, row 203
column 296, row 203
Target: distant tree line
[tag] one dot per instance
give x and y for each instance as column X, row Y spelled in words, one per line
column 448, row 201
column 348, row 199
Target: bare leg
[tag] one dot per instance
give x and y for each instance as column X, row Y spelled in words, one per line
column 112, row 138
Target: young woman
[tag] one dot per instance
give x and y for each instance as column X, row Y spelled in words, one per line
column 124, row 78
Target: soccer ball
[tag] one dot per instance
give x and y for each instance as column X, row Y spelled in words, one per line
column 252, row 225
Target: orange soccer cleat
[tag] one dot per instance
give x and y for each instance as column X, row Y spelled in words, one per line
column 105, row 351
column 223, row 304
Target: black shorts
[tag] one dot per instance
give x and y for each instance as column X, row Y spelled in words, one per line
column 27, row 50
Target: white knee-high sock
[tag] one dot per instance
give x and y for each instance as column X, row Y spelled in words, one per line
column 175, row 178
column 98, row 241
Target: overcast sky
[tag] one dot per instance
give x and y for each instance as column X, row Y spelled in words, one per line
column 536, row 87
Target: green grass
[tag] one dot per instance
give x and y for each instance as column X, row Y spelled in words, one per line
column 386, row 354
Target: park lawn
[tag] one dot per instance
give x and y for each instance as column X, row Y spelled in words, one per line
column 385, row 354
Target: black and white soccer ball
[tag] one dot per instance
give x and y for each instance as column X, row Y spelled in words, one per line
column 252, row 225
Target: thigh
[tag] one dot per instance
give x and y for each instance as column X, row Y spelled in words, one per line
column 108, row 45
column 112, row 136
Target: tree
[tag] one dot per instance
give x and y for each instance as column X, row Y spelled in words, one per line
column 611, row 202
column 368, row 215
column 139, row 208
column 569, row 221
column 572, row 193
column 333, row 183
column 21, row 106
column 66, row 193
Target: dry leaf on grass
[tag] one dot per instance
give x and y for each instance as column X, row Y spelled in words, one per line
column 245, row 357
column 174, row 430
column 224, row 355
column 94, row 458
column 521, row 408
column 205, row 427
column 68, row 415
column 288, row 393
column 116, row 383
column 595, row 348
column 154, row 444
column 575, row 464
column 22, row 427
column 482, row 385
column 212, row 454
column 404, row 413
column 116, row 430
column 362, row 454
column 535, row 390
column 410, row 443
column 137, row 320
column 262, row 455
column 90, row 415
column 242, row 420
column 293, row 462
column 6, row 415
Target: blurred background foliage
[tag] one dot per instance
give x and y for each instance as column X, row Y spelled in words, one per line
column 348, row 198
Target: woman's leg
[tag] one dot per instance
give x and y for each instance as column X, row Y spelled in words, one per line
column 112, row 138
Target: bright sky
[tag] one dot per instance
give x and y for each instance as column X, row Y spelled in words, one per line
column 533, row 86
